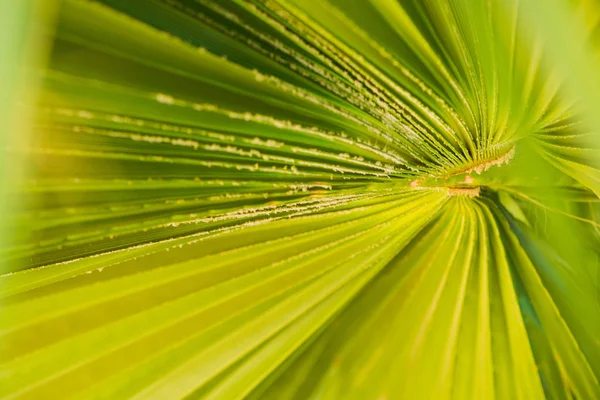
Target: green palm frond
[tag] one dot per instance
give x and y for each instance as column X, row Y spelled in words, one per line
column 292, row 199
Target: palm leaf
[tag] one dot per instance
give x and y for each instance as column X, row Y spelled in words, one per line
column 297, row 199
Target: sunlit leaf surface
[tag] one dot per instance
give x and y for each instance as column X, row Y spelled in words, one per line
column 293, row 199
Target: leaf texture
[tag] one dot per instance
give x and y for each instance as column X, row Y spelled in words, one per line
column 277, row 199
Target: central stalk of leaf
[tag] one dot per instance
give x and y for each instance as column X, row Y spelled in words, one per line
column 457, row 185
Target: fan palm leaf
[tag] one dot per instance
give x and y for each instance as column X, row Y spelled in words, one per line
column 290, row 199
